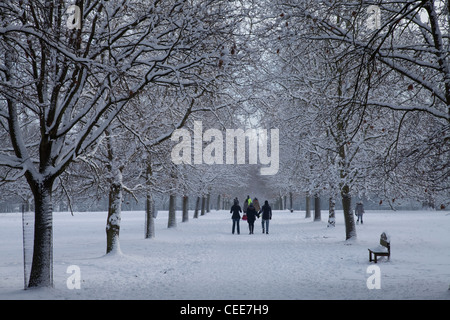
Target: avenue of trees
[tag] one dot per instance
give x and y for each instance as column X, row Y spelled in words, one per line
column 90, row 99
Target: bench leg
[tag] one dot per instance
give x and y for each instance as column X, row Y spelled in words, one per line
column 375, row 257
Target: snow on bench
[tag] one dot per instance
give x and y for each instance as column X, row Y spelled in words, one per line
column 384, row 249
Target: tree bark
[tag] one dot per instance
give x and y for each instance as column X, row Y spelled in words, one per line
column 291, row 206
column 203, row 206
column 115, row 195
column 350, row 228
column 114, row 214
column 331, row 213
column 149, row 216
column 197, row 205
column 317, row 216
column 172, row 223
column 308, row 207
column 185, row 217
column 149, row 202
column 42, row 266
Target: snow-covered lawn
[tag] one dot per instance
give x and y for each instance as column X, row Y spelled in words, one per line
column 201, row 259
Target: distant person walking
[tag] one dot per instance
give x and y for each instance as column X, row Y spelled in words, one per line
column 247, row 202
column 251, row 217
column 235, row 210
column 266, row 211
column 359, row 211
column 256, row 205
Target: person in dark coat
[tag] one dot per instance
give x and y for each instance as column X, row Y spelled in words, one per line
column 251, row 217
column 235, row 210
column 266, row 211
column 359, row 211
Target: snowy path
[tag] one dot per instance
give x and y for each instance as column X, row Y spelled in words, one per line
column 201, row 259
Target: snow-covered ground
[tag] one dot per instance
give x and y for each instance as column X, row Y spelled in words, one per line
column 201, row 259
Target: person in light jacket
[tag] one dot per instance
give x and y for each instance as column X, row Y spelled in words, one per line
column 359, row 211
column 247, row 202
column 256, row 204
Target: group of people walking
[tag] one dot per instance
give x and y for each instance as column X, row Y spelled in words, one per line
column 251, row 210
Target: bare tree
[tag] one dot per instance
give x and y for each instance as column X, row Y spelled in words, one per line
column 71, row 83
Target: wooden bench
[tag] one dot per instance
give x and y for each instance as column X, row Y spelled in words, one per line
column 384, row 249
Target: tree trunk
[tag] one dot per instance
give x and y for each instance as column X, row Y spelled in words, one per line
column 218, row 202
column 149, row 202
column 208, row 197
column 308, row 207
column 197, row 205
column 203, row 205
column 42, row 266
column 172, row 223
column 317, row 216
column 114, row 213
column 331, row 214
column 291, row 206
column 350, row 228
column 149, row 216
column 185, row 209
column 115, row 196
